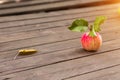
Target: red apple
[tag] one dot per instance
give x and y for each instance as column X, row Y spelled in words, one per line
column 92, row 40
column 91, row 43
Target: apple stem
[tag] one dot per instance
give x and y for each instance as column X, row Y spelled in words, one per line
column 89, row 28
column 92, row 31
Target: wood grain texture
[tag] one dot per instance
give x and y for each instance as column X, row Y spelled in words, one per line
column 103, row 74
column 49, row 36
column 58, row 13
column 57, row 46
column 69, row 68
column 60, row 55
column 50, row 6
column 28, row 3
column 110, row 44
column 60, row 33
column 63, row 18
column 30, row 31
column 39, row 32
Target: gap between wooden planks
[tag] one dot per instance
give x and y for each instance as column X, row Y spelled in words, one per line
column 111, row 73
column 51, row 6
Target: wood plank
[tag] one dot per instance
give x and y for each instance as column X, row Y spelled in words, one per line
column 28, row 3
column 71, row 46
column 58, row 13
column 111, row 73
column 11, row 1
column 48, row 7
column 46, row 20
column 65, row 69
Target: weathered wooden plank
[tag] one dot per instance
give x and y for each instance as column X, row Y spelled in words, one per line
column 28, row 3
column 69, row 68
column 72, row 44
column 56, row 18
column 59, row 18
column 58, row 13
column 50, row 6
column 112, row 73
column 11, row 1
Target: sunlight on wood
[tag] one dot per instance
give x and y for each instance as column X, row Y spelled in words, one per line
column 8, row 1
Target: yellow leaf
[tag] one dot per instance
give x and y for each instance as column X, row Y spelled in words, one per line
column 27, row 51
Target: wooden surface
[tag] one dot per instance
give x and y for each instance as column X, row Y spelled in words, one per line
column 43, row 25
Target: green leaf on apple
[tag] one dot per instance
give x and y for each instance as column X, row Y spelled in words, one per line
column 79, row 25
column 99, row 20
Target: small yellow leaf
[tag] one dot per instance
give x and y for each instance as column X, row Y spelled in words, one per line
column 27, row 51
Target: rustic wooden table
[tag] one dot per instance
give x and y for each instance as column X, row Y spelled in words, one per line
column 42, row 25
